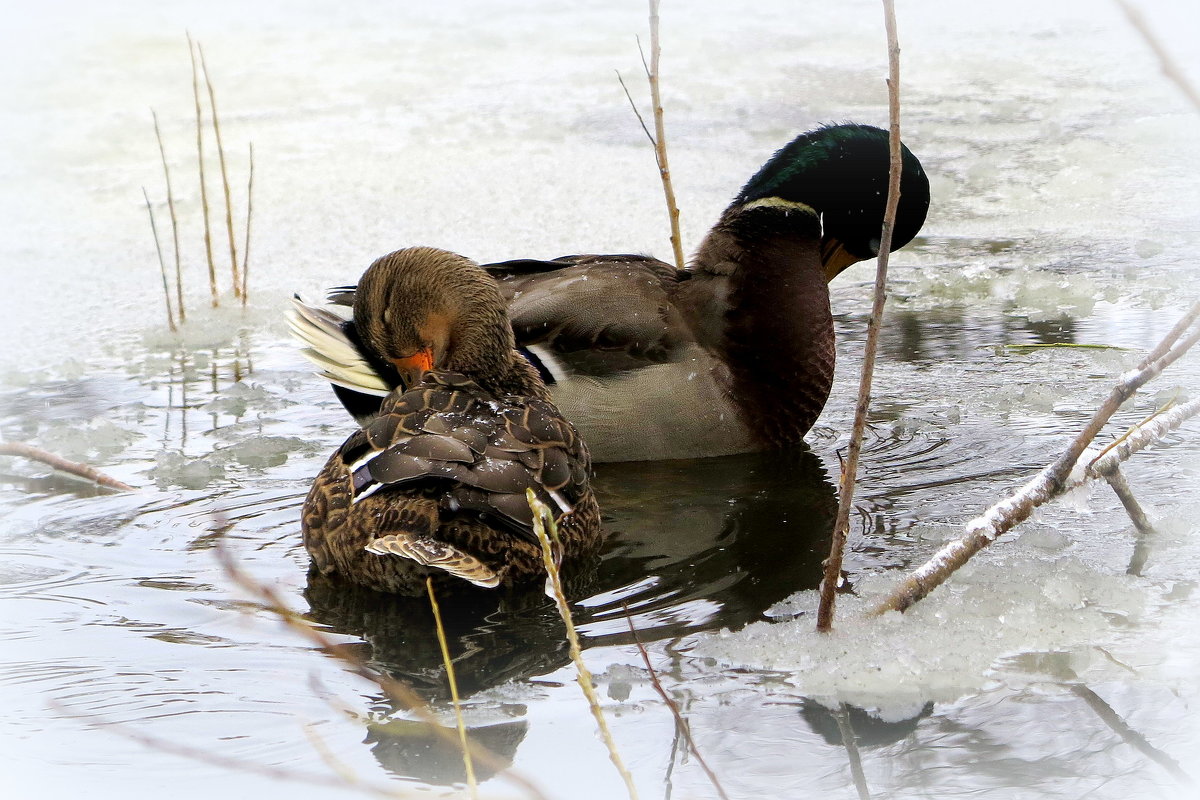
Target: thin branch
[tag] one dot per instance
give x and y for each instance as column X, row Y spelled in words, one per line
column 162, row 151
column 660, row 135
column 450, row 678
column 543, row 519
column 246, row 240
column 162, row 265
column 1051, row 482
column 637, row 113
column 681, row 723
column 1169, row 67
column 212, row 104
column 212, row 269
column 396, row 691
column 841, row 528
column 62, row 465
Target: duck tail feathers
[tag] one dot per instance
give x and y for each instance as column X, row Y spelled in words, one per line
column 337, row 358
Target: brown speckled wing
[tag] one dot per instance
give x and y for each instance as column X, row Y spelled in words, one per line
column 475, row 451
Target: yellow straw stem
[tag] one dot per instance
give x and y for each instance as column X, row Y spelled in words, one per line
column 458, row 717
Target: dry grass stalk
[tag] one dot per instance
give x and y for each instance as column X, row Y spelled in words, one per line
column 61, row 464
column 543, row 520
column 212, row 105
column 162, row 265
column 841, row 527
column 660, row 136
column 246, row 239
column 458, row 717
column 681, row 723
column 396, row 691
column 162, row 151
column 1051, row 482
column 212, row 269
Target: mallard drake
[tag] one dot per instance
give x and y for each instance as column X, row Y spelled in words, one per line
column 733, row 354
column 435, row 483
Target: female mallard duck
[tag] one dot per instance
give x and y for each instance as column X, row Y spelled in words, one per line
column 733, row 354
column 435, row 483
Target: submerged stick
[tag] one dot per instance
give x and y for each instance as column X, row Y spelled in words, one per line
column 212, row 105
column 246, row 239
column 212, row 269
column 660, row 135
column 162, row 151
column 543, row 519
column 162, row 265
column 1113, row 720
column 1133, row 508
column 681, row 724
column 1045, row 486
column 850, row 742
column 450, row 678
column 62, row 465
column 841, row 527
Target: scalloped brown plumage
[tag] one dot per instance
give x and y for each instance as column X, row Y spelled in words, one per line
column 436, row 483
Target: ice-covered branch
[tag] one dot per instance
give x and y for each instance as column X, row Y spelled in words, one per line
column 1053, row 480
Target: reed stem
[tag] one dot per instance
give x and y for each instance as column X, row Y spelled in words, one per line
column 235, row 279
column 212, row 269
column 162, row 151
column 161, row 264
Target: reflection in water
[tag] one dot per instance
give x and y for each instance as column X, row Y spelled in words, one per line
column 693, row 546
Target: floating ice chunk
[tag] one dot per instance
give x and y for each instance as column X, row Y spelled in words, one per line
column 264, row 451
column 946, row 645
column 175, row 469
column 97, row 439
column 242, row 397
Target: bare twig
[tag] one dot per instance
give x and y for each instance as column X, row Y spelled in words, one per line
column 162, row 151
column 1169, row 67
column 1131, row 737
column 458, row 717
column 1047, row 484
column 162, row 265
column 396, row 691
column 660, row 135
column 212, row 105
column 637, row 113
column 681, row 723
column 543, row 519
column 841, row 528
column 62, row 465
column 212, row 269
column 246, row 240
